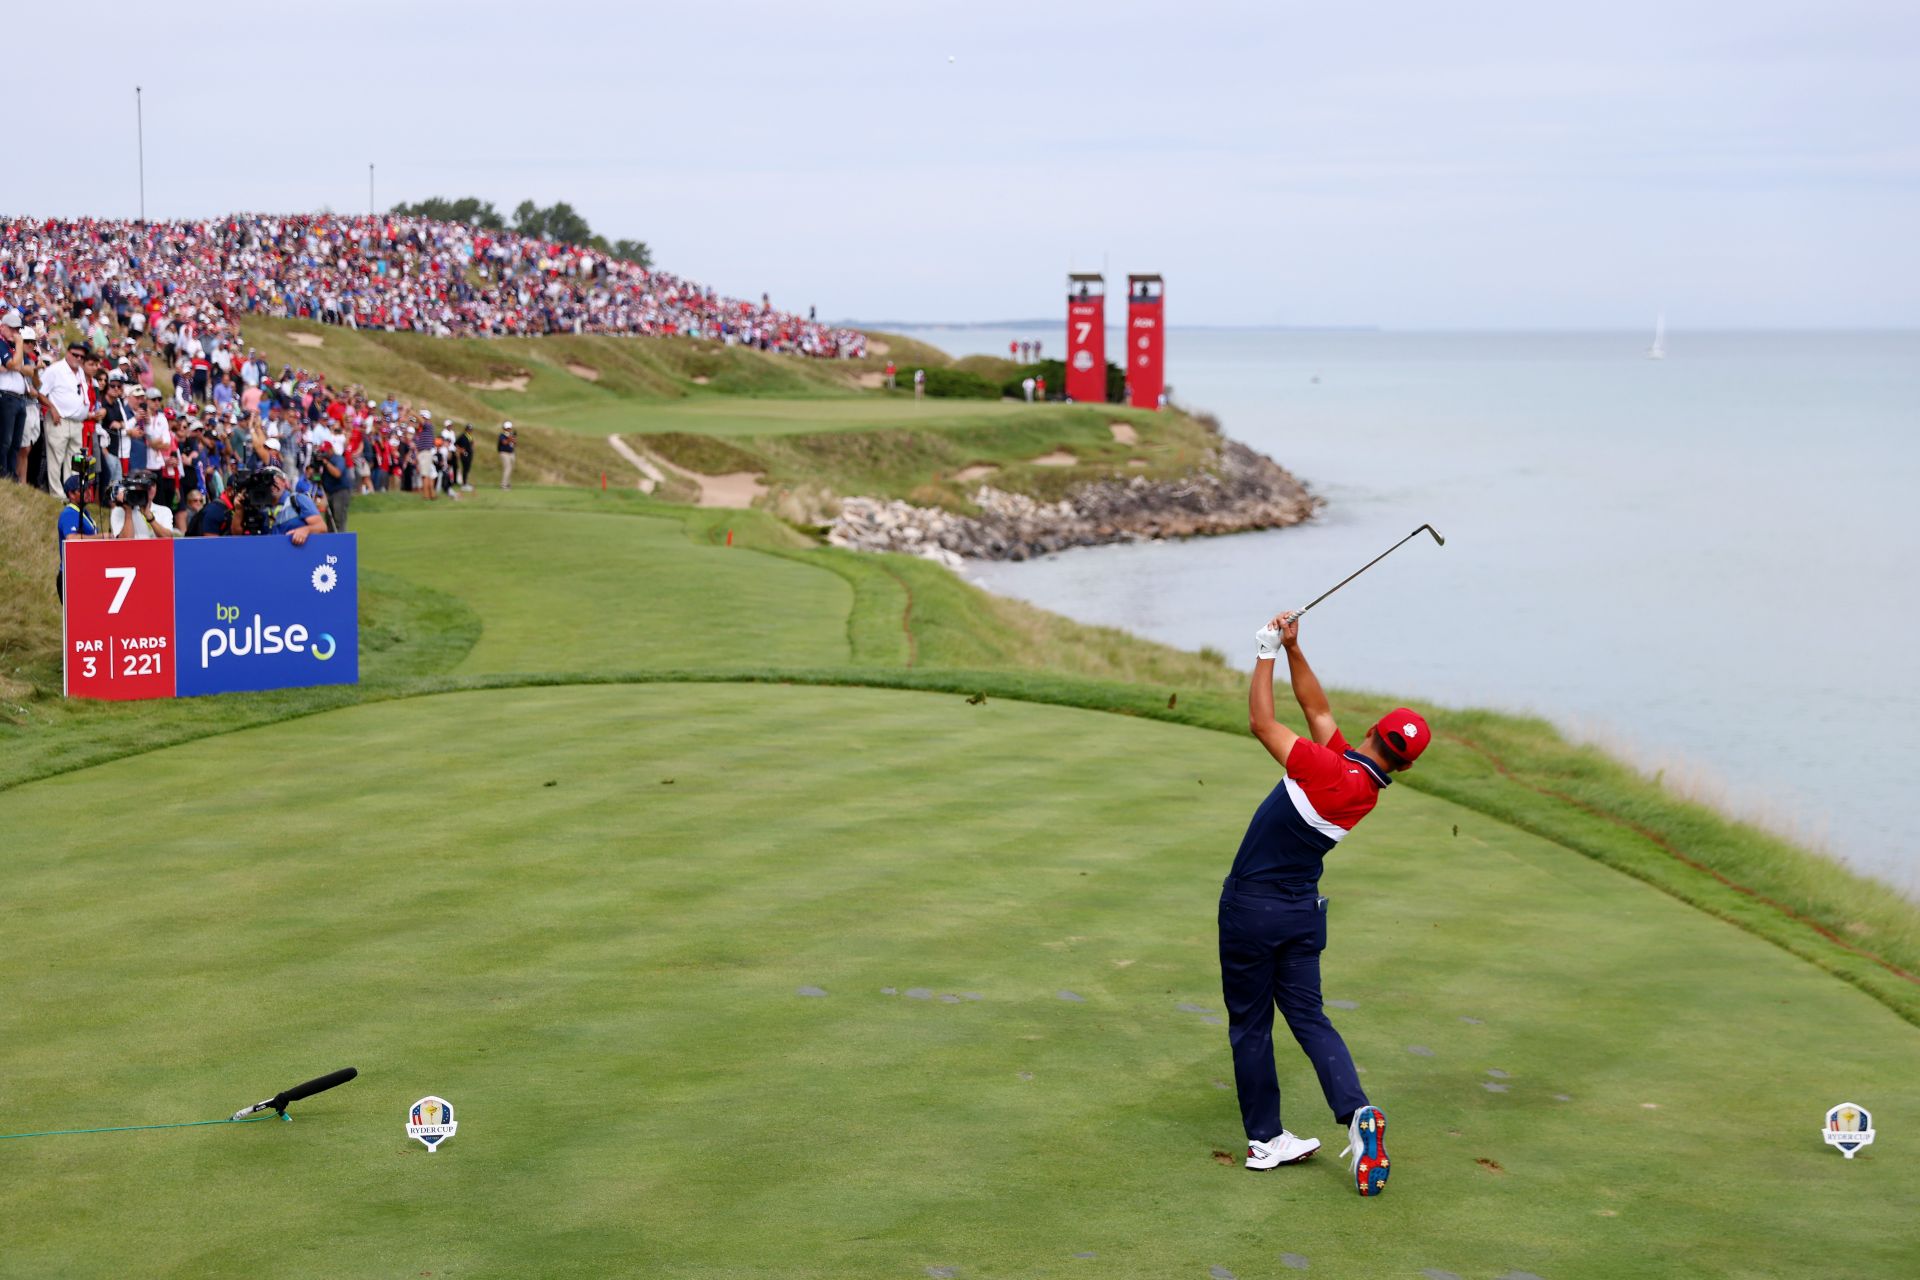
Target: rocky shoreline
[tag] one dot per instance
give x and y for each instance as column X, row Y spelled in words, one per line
column 1239, row 490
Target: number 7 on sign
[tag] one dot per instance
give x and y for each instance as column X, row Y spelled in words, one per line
column 125, row 576
column 1083, row 328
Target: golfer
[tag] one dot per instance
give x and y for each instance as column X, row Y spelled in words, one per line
column 1273, row 921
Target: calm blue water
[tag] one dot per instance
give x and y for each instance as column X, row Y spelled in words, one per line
column 1710, row 564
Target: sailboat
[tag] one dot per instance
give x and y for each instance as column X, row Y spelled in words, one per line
column 1658, row 351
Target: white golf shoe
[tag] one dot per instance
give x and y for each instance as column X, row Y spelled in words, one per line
column 1285, row 1149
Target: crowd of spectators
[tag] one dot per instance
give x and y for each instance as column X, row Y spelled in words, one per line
column 164, row 425
column 122, row 363
column 382, row 271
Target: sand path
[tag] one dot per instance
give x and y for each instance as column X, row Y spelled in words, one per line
column 735, row 489
column 650, row 477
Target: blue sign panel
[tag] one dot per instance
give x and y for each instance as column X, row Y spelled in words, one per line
column 261, row 613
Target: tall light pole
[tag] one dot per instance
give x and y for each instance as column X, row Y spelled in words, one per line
column 140, row 132
column 369, row 189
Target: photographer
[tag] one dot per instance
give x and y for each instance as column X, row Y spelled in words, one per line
column 136, row 516
column 294, row 513
column 247, row 505
column 73, row 522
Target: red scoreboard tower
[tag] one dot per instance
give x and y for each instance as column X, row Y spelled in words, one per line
column 1087, row 338
column 1146, row 342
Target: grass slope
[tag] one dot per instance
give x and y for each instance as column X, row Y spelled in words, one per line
column 813, row 425
column 604, row 975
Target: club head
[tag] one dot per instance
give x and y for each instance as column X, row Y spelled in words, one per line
column 1435, row 532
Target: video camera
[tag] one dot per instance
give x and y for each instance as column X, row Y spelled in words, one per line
column 137, row 489
column 256, row 500
column 87, row 468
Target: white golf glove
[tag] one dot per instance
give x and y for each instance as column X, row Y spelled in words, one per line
column 1269, row 638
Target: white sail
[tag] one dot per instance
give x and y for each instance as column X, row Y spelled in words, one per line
column 1658, row 351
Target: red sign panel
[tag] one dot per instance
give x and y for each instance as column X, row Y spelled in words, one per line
column 1146, row 351
column 118, row 640
column 1087, row 350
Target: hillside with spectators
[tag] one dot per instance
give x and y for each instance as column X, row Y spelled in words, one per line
column 385, row 271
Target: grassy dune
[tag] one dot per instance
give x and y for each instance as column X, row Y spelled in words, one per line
column 810, row 426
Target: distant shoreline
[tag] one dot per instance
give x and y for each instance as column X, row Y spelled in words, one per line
column 1059, row 322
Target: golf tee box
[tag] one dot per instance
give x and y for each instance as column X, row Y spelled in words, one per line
column 164, row 618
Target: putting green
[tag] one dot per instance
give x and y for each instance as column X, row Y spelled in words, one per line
column 612, row 592
column 603, row 975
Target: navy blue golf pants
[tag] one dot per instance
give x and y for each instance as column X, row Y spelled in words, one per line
column 1270, row 955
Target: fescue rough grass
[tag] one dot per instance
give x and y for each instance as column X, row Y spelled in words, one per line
column 29, row 616
column 588, row 915
column 923, row 465
column 566, row 394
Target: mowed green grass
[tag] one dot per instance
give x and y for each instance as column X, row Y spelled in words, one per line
column 731, row 416
column 603, row 975
column 581, row 590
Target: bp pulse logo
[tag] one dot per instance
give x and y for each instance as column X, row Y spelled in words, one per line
column 260, row 613
column 257, row 637
column 260, row 638
column 1849, row 1127
column 431, row 1121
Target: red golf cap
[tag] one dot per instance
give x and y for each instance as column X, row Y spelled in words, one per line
column 1404, row 731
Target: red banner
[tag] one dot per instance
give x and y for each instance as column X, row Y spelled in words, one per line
column 118, row 621
column 1087, row 349
column 1146, row 346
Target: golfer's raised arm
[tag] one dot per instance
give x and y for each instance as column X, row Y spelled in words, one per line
column 1274, row 736
column 1306, row 687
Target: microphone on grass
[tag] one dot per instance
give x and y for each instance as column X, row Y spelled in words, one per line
column 278, row 1102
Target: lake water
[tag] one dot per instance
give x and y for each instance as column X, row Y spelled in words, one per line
column 1709, row 563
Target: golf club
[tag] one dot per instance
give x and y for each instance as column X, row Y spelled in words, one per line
column 1425, row 528
column 319, row 1084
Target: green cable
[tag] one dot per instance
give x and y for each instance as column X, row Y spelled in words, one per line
column 123, row 1128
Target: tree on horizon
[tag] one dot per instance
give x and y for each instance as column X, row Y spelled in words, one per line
column 559, row 222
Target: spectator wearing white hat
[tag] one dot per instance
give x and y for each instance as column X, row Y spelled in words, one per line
column 506, row 445
column 64, row 385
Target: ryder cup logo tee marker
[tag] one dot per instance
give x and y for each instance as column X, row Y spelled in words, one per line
column 1849, row 1127
column 431, row 1121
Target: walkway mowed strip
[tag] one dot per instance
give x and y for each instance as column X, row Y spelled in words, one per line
column 580, row 591
column 748, row 980
column 770, row 415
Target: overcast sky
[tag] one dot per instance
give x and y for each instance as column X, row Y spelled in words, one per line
column 1403, row 163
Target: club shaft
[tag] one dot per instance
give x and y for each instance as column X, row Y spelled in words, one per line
column 1368, row 565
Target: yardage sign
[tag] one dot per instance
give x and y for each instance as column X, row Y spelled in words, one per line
column 160, row 618
column 118, row 621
